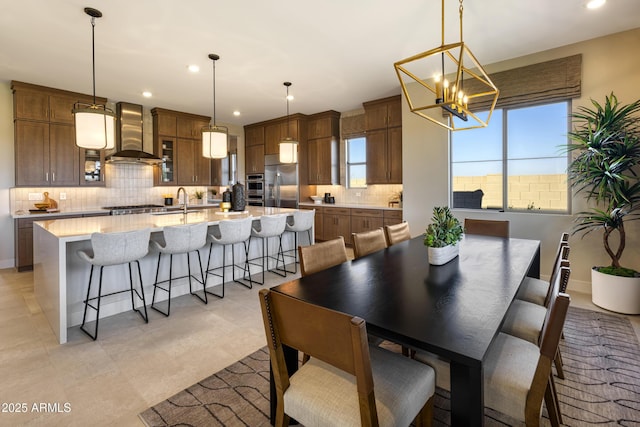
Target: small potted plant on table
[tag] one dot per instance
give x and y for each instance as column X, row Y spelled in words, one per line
column 442, row 236
column 606, row 139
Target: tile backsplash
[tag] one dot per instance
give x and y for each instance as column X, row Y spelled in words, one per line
column 126, row 185
column 378, row 195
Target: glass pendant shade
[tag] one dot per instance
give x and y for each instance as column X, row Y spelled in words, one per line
column 288, row 151
column 95, row 127
column 214, row 142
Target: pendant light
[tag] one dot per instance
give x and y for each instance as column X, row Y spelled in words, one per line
column 288, row 147
column 94, row 123
column 214, row 137
column 470, row 83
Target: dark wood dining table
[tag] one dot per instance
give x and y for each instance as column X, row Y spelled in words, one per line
column 453, row 310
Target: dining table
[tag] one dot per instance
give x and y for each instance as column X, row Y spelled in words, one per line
column 453, row 310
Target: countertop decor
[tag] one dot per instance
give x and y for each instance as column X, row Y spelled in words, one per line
column 442, row 236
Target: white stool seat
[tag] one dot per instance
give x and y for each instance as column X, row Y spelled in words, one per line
column 180, row 239
column 108, row 249
column 230, row 232
column 300, row 221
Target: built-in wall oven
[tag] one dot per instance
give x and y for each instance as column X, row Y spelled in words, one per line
column 255, row 189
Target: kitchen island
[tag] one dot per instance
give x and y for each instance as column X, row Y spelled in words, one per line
column 61, row 277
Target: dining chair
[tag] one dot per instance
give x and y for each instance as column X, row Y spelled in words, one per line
column 367, row 242
column 397, row 233
column 486, row 227
column 517, row 374
column 526, row 320
column 537, row 290
column 322, row 255
column 346, row 382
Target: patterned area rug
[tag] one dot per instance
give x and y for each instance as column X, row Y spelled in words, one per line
column 602, row 386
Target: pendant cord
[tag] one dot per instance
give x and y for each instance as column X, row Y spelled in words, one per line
column 93, row 55
column 214, row 93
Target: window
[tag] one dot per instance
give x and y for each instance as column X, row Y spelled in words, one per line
column 525, row 146
column 356, row 162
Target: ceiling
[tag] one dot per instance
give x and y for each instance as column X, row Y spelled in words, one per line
column 336, row 53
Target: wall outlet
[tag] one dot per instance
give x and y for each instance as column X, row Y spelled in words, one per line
column 63, row 196
column 36, row 196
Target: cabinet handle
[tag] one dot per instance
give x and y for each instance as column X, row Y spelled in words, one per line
column 53, row 177
column 46, row 176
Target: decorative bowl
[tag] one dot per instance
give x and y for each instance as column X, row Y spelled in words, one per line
column 41, row 206
column 317, row 199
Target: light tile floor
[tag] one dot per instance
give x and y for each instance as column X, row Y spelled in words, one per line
column 133, row 365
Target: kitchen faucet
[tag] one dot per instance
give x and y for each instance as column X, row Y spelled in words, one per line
column 184, row 207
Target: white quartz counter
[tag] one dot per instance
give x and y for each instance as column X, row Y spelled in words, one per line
column 348, row 205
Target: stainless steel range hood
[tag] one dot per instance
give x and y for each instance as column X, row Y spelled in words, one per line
column 129, row 137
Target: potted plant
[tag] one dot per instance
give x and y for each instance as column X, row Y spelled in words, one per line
column 199, row 196
column 442, row 236
column 606, row 142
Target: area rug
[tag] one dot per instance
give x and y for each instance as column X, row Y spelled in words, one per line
column 601, row 386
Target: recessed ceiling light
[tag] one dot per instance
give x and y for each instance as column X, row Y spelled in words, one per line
column 595, row 4
column 147, row 94
column 193, row 68
column 236, row 113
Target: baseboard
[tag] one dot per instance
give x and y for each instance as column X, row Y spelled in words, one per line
column 575, row 285
column 7, row 263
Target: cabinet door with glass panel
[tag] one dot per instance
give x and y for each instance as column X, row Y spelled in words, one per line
column 92, row 168
column 166, row 149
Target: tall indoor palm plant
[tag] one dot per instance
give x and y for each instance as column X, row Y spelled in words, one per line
column 606, row 144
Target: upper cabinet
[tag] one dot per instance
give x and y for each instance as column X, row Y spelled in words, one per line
column 44, row 138
column 279, row 129
column 177, row 141
column 383, row 126
column 323, row 132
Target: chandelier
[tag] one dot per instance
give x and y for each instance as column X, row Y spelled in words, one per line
column 458, row 80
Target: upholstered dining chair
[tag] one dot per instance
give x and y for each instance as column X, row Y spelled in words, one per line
column 537, row 291
column 322, row 255
column 367, row 242
column 346, row 382
column 517, row 373
column 397, row 233
column 486, row 227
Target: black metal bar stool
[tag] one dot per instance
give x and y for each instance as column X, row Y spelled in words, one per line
column 270, row 226
column 230, row 232
column 300, row 221
column 180, row 239
column 109, row 249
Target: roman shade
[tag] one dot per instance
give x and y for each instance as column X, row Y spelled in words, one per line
column 352, row 126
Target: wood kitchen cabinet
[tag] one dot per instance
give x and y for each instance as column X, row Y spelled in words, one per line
column 365, row 220
column 318, row 222
column 44, row 137
column 254, row 159
column 276, row 132
column 177, row 141
column 253, row 135
column 323, row 130
column 383, row 124
column 337, row 222
column 391, row 217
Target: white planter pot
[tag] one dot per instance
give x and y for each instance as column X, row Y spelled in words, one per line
column 615, row 293
column 439, row 256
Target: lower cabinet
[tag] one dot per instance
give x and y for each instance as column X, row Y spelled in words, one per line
column 365, row 220
column 391, row 217
column 23, row 239
column 337, row 222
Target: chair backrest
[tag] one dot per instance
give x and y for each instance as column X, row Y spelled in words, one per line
column 486, row 227
column 551, row 333
column 232, row 231
column 562, row 259
column 119, row 248
column 397, row 233
column 554, row 291
column 368, row 242
column 271, row 225
column 184, row 238
column 337, row 339
column 322, row 255
column 301, row 220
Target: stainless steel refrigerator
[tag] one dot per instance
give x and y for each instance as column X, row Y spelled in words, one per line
column 281, row 183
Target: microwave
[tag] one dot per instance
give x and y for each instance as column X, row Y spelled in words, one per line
column 255, row 184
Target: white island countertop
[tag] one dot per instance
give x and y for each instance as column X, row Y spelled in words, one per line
column 76, row 229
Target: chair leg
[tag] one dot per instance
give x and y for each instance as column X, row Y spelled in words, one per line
column 195, row 294
column 556, row 401
column 552, row 407
column 156, row 286
column 425, row 416
column 87, row 302
column 210, row 271
column 133, row 305
column 559, row 365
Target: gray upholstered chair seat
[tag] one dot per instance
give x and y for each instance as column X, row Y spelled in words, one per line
column 270, row 226
column 301, row 221
column 231, row 231
column 321, row 395
column 533, row 290
column 116, row 248
column 180, row 239
column 525, row 320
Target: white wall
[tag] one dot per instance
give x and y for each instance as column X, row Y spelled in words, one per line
column 6, row 174
column 608, row 65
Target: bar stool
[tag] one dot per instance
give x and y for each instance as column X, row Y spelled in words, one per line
column 270, row 226
column 231, row 232
column 299, row 222
column 115, row 249
column 180, row 239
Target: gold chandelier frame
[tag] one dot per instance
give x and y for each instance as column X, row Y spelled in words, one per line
column 454, row 102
